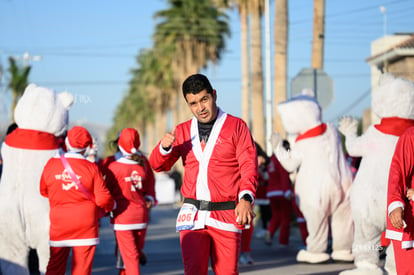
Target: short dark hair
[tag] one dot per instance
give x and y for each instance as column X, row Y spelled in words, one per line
column 196, row 83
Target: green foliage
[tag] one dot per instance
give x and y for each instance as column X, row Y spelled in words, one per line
column 19, row 77
column 188, row 35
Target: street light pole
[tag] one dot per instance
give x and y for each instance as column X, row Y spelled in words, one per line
column 28, row 57
column 383, row 10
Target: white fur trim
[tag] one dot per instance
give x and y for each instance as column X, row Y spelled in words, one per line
column 126, row 161
column 393, row 235
column 394, row 205
column 123, row 151
column 134, row 226
column 407, row 244
column 300, row 220
column 70, row 148
column 277, row 193
column 288, row 194
column 221, row 225
column 203, row 156
column 242, row 193
column 164, row 152
column 76, row 242
column 262, row 201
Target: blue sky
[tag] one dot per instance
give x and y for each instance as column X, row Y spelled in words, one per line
column 89, row 47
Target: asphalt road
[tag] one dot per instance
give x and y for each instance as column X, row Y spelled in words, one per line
column 164, row 256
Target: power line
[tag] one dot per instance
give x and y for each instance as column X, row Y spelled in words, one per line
column 353, row 104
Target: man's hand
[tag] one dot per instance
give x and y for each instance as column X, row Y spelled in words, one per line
column 244, row 212
column 168, row 139
column 410, row 194
column 396, row 218
column 148, row 203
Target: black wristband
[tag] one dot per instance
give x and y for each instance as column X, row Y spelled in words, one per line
column 247, row 197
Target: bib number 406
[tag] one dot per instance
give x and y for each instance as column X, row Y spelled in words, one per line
column 185, row 217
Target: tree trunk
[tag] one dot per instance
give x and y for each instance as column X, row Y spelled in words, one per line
column 318, row 33
column 281, row 43
column 151, row 138
column 245, row 85
column 258, row 116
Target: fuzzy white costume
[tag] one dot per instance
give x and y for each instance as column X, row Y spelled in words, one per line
column 393, row 102
column 323, row 179
column 41, row 115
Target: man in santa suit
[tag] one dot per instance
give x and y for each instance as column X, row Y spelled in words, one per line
column 400, row 222
column 75, row 188
column 220, row 179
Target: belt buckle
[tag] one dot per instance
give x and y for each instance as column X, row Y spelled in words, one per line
column 204, row 205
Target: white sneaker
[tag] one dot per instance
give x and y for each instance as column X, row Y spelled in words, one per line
column 246, row 259
column 261, row 233
column 267, row 238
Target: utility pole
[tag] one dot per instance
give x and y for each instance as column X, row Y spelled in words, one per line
column 383, row 10
column 318, row 33
column 268, row 79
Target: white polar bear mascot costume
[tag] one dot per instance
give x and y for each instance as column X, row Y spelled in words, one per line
column 323, row 180
column 41, row 115
column 393, row 102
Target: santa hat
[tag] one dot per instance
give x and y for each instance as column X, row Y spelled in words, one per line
column 78, row 139
column 129, row 141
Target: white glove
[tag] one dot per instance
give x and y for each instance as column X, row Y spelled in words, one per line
column 348, row 126
column 275, row 140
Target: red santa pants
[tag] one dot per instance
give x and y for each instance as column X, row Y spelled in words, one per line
column 198, row 245
column 281, row 215
column 131, row 243
column 82, row 259
column 246, row 239
column 403, row 259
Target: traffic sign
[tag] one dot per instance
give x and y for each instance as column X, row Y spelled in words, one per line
column 317, row 80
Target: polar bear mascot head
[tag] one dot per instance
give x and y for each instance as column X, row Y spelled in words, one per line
column 41, row 115
column 393, row 97
column 323, row 178
column 300, row 113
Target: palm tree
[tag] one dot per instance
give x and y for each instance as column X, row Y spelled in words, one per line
column 280, row 79
column 258, row 117
column 244, row 48
column 156, row 77
column 196, row 29
column 254, row 9
column 243, row 9
column 18, row 82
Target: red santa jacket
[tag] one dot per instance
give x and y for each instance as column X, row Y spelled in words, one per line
column 224, row 171
column 279, row 184
column 130, row 184
column 400, row 179
column 73, row 216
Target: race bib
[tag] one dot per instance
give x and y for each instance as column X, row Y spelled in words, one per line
column 185, row 219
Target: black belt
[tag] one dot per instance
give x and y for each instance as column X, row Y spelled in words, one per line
column 211, row 206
